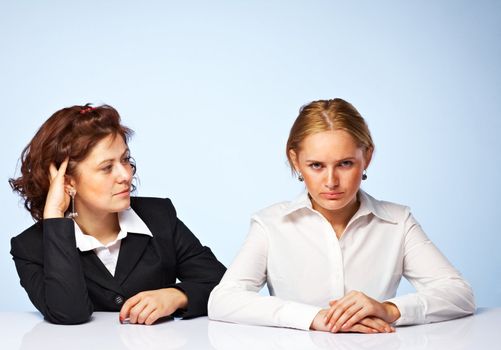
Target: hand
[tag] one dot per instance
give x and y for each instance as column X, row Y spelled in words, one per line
column 57, row 199
column 367, row 325
column 355, row 307
column 147, row 307
column 318, row 323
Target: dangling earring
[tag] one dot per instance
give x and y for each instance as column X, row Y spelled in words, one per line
column 300, row 177
column 72, row 214
column 364, row 175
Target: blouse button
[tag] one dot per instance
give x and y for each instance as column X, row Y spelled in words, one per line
column 119, row 299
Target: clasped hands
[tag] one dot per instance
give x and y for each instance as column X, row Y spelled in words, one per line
column 356, row 312
column 147, row 307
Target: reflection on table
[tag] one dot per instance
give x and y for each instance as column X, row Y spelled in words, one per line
column 27, row 330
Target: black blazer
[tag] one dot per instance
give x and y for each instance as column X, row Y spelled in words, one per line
column 67, row 285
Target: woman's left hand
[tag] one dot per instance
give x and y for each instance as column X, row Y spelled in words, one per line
column 147, row 307
column 356, row 306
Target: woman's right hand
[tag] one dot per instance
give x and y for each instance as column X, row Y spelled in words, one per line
column 57, row 199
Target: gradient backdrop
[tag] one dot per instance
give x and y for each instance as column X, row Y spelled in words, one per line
column 212, row 87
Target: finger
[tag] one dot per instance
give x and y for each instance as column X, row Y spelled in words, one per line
column 136, row 311
column 155, row 315
column 328, row 315
column 360, row 328
column 377, row 324
column 339, row 311
column 52, row 172
column 148, row 309
column 127, row 306
column 351, row 316
column 62, row 168
column 334, row 305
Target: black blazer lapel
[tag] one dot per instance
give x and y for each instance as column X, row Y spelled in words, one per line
column 131, row 250
column 95, row 270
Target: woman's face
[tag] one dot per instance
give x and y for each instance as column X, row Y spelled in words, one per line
column 103, row 179
column 332, row 165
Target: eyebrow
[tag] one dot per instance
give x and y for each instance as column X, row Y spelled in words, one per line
column 127, row 150
column 336, row 161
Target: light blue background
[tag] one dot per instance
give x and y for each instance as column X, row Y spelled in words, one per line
column 212, row 87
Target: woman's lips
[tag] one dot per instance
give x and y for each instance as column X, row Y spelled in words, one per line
column 123, row 193
column 331, row 195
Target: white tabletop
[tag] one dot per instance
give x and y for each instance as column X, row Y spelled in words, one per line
column 27, row 330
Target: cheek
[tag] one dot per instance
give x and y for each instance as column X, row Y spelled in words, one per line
column 312, row 180
column 93, row 187
column 354, row 178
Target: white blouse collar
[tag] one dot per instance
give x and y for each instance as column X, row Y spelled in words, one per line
column 368, row 205
column 129, row 222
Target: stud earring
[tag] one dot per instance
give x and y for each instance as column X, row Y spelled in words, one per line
column 364, row 175
column 300, row 177
column 73, row 214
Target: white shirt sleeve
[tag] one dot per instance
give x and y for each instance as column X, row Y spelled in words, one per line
column 442, row 293
column 236, row 298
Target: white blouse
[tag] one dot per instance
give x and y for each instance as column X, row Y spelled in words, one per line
column 294, row 249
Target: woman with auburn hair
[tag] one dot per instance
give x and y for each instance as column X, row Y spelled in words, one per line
column 93, row 246
column 333, row 257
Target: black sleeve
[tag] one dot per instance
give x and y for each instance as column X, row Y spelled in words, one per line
column 197, row 268
column 55, row 281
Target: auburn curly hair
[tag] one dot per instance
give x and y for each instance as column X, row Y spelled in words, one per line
column 70, row 132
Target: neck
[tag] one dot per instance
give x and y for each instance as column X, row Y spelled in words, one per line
column 104, row 227
column 340, row 218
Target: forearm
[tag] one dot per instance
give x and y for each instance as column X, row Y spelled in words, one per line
column 66, row 295
column 451, row 299
column 198, row 270
column 442, row 293
column 51, row 273
column 232, row 302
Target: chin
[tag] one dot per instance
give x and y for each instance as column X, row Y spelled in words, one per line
column 123, row 205
column 332, row 204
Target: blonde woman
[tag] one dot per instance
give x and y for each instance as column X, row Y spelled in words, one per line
column 333, row 257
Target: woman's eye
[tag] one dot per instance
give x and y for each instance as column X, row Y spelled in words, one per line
column 346, row 164
column 107, row 168
column 126, row 160
column 315, row 166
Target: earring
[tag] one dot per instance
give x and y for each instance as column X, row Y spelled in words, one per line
column 364, row 175
column 73, row 214
column 300, row 177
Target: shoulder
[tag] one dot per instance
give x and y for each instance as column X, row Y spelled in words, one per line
column 35, row 230
column 157, row 213
column 386, row 210
column 274, row 210
column 273, row 214
column 145, row 205
column 29, row 241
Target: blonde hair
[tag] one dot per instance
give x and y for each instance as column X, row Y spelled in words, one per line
column 328, row 115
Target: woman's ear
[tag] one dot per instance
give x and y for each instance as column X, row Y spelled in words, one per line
column 368, row 156
column 69, row 181
column 295, row 161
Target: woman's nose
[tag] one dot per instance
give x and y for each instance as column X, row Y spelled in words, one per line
column 332, row 179
column 125, row 174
